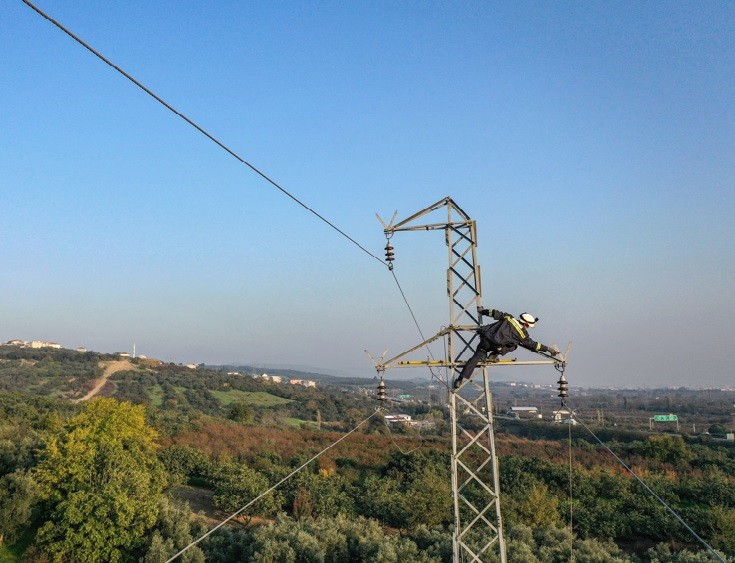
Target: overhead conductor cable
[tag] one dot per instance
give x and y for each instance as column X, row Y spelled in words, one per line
column 197, row 127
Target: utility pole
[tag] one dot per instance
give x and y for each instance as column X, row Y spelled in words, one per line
column 478, row 528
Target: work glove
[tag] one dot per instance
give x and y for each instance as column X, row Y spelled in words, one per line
column 553, row 350
column 483, row 311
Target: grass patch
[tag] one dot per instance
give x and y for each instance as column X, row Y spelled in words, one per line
column 296, row 422
column 254, row 398
column 155, row 395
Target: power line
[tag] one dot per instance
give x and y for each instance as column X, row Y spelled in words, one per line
column 286, row 478
column 651, row 491
column 216, row 141
column 212, row 138
column 197, row 127
column 423, row 338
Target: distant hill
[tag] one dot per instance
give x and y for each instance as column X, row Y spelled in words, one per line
column 271, row 370
column 325, row 379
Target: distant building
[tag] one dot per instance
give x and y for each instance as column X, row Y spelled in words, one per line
column 524, row 412
column 42, row 344
column 304, row 382
column 422, row 424
column 391, row 419
column 406, row 420
column 563, row 415
column 276, row 378
column 34, row 344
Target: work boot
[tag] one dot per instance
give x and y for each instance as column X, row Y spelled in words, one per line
column 457, row 384
column 493, row 359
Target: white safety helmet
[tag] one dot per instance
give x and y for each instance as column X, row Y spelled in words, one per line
column 529, row 319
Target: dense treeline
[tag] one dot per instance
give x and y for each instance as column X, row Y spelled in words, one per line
column 217, row 394
column 47, row 372
column 62, row 472
column 105, row 480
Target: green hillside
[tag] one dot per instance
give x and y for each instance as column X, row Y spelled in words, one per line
column 107, row 479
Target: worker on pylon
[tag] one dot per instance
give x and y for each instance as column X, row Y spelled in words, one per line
column 502, row 337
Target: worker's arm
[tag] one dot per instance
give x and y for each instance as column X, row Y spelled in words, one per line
column 534, row 346
column 494, row 313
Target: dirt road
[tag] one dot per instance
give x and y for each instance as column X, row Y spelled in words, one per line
column 110, row 368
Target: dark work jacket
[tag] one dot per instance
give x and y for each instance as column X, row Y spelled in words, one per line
column 507, row 334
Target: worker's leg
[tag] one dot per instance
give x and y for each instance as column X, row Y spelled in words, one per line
column 470, row 366
column 479, row 355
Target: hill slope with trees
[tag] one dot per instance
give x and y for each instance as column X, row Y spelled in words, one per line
column 106, row 479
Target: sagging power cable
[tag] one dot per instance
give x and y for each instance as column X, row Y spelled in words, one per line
column 671, row 511
column 286, row 478
column 216, row 141
column 197, row 127
column 219, row 143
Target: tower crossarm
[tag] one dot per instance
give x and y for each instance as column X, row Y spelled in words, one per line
column 392, row 361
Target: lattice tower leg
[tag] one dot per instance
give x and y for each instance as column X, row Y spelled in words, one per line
column 478, row 529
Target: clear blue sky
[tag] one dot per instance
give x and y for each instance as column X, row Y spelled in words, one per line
column 593, row 143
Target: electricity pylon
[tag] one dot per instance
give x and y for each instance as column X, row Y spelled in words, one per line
column 478, row 528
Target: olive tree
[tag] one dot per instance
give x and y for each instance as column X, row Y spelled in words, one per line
column 101, row 482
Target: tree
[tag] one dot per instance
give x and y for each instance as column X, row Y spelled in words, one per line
column 331, row 540
column 724, row 524
column 538, row 507
column 321, row 494
column 173, row 532
column 414, row 489
column 235, row 485
column 241, row 412
column 101, row 482
column 18, row 494
column 557, row 545
column 184, row 463
column 663, row 553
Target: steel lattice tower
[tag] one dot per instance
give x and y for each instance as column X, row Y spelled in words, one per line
column 478, row 528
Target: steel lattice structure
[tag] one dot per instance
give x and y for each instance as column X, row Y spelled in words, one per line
column 478, row 528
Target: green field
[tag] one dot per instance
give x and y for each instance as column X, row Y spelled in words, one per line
column 156, row 395
column 296, row 422
column 256, row 399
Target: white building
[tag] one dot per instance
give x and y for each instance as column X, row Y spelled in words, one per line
column 524, row 412
column 43, row 344
column 397, row 419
